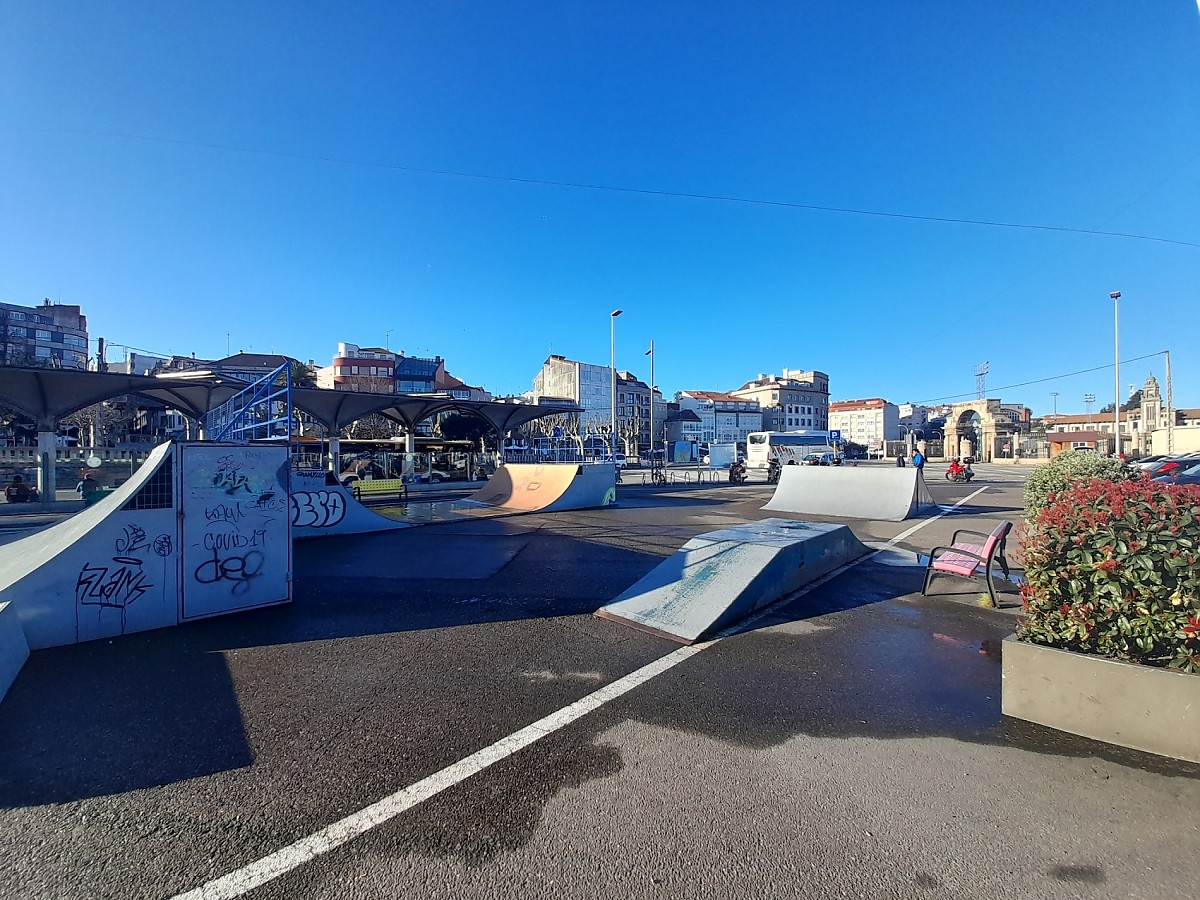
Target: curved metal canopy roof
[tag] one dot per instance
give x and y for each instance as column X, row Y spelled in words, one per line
column 47, row 395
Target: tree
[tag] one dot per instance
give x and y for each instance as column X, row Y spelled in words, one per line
column 629, row 430
column 303, row 376
column 102, row 424
column 372, row 427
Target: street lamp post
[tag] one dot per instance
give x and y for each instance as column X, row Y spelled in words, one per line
column 612, row 322
column 650, row 353
column 1116, row 299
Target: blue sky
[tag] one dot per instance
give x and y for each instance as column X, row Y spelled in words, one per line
column 425, row 176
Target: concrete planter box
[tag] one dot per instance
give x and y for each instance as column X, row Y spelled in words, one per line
column 1145, row 708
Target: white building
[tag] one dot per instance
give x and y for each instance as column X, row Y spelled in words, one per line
column 724, row 418
column 794, row 401
column 867, row 422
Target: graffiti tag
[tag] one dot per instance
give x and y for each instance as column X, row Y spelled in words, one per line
column 238, row 570
column 317, row 509
column 116, row 586
column 133, row 539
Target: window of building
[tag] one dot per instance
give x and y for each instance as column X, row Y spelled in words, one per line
column 42, row 335
column 41, row 352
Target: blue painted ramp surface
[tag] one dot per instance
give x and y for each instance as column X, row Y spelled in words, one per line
column 720, row 578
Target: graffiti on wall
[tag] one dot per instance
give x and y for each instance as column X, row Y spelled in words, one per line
column 111, row 586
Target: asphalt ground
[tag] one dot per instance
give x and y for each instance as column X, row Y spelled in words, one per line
column 847, row 744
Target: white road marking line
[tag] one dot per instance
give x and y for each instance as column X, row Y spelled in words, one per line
column 241, row 881
column 258, row 873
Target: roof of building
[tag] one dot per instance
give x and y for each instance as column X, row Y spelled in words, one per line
column 716, row 397
column 845, row 405
column 254, row 360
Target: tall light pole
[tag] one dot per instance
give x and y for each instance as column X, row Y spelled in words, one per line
column 1116, row 299
column 1054, row 394
column 612, row 323
column 650, row 353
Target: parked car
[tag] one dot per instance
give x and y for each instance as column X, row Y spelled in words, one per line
column 618, row 458
column 1170, row 465
column 1188, row 474
column 822, row 459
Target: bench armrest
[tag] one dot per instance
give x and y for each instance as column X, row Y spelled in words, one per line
column 978, row 534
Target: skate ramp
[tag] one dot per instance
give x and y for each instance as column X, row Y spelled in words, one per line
column 14, row 649
column 198, row 530
column 718, row 579
column 852, row 492
column 321, row 507
column 548, row 487
column 103, row 572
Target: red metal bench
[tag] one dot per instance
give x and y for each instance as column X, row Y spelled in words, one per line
column 969, row 559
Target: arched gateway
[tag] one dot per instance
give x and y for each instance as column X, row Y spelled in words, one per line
column 985, row 429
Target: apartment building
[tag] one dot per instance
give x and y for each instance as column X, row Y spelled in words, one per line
column 584, row 384
column 797, row 400
column 52, row 335
column 722, row 417
column 867, row 422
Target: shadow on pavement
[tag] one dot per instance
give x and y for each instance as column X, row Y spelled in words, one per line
column 111, row 716
column 877, row 661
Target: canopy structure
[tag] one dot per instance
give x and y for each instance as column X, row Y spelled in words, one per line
column 47, row 395
column 337, row 409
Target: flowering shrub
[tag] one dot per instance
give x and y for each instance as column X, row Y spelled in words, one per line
column 1111, row 568
column 1067, row 468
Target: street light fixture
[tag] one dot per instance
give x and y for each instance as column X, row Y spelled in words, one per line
column 612, row 321
column 1116, row 299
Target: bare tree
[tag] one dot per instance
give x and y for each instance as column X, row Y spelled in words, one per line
column 629, row 430
column 102, row 423
column 372, row 427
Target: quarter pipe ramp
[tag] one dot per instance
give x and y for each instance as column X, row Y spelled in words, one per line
column 855, row 492
column 548, row 487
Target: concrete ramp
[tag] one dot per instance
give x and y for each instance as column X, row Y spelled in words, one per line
column 321, row 507
column 717, row 579
column 548, row 487
column 852, row 492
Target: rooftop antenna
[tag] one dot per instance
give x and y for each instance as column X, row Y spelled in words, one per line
column 981, row 381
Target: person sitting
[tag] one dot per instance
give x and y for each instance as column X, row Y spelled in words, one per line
column 17, row 491
column 90, row 489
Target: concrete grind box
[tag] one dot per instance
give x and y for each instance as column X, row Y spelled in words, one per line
column 1140, row 707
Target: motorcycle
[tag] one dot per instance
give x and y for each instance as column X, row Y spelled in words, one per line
column 774, row 470
column 960, row 474
column 737, row 473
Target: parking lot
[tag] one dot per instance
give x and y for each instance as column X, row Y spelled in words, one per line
column 439, row 714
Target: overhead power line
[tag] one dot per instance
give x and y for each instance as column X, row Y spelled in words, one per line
column 648, row 192
column 1009, row 387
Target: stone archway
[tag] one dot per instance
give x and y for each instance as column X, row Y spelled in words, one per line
column 984, row 429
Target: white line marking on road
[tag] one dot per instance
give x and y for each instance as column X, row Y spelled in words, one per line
column 258, row 873
column 241, row 881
